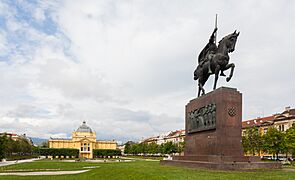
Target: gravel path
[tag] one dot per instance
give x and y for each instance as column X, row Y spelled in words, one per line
column 7, row 163
column 140, row 159
column 40, row 173
column 289, row 169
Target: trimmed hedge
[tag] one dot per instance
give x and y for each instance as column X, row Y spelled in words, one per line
column 59, row 152
column 12, row 158
column 106, row 152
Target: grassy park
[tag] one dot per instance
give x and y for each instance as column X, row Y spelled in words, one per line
column 135, row 170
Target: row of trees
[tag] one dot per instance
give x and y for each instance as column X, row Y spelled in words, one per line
column 10, row 147
column 272, row 142
column 153, row 148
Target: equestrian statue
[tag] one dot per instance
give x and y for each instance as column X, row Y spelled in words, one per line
column 215, row 59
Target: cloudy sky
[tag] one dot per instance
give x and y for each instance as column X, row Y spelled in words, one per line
column 126, row 66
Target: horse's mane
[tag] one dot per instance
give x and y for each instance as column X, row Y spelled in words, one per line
column 225, row 37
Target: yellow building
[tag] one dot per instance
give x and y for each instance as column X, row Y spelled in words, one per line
column 83, row 139
column 280, row 121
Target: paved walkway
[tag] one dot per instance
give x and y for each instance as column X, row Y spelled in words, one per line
column 289, row 169
column 106, row 160
column 97, row 160
column 139, row 159
column 39, row 173
column 7, row 163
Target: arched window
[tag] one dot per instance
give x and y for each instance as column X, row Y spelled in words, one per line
column 85, row 146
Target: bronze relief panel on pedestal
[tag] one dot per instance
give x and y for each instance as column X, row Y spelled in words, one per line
column 202, row 119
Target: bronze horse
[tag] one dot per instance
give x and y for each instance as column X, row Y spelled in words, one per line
column 218, row 63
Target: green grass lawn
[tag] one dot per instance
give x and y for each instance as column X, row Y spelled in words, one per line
column 289, row 166
column 139, row 170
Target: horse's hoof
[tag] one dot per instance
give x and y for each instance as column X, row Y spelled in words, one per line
column 227, row 79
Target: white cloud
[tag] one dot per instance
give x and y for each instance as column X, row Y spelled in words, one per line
column 39, row 14
column 3, row 43
column 126, row 66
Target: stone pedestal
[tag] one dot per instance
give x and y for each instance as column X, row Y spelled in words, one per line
column 213, row 127
column 221, row 136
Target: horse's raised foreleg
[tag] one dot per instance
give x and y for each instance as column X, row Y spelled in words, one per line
column 217, row 69
column 232, row 66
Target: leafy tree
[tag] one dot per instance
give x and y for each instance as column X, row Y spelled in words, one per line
column 14, row 148
column 127, row 148
column 135, row 149
column 169, row 148
column 290, row 140
column 143, row 148
column 45, row 144
column 153, row 148
column 24, row 146
column 245, row 144
column 3, row 141
column 252, row 140
column 8, row 148
column 274, row 141
column 139, row 148
column 180, row 147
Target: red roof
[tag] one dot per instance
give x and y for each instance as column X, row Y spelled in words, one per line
column 256, row 121
column 150, row 139
column 259, row 121
column 177, row 133
column 290, row 111
column 170, row 135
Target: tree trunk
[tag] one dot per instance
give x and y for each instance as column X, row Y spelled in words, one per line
column 286, row 154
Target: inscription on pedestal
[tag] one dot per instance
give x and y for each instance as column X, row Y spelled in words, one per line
column 202, row 119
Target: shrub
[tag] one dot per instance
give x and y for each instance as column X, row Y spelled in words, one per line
column 106, row 152
column 58, row 152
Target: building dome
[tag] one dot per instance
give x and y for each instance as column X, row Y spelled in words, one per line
column 84, row 128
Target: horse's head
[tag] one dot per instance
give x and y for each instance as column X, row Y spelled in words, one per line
column 229, row 41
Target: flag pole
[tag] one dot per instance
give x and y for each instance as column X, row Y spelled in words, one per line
column 215, row 27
